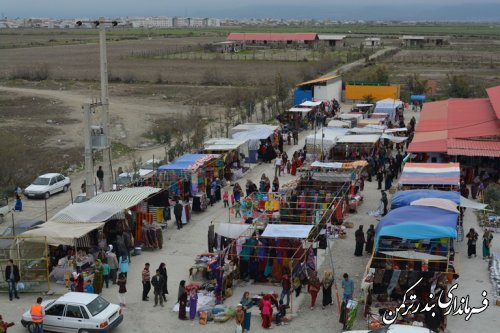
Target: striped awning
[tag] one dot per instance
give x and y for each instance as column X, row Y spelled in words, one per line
column 430, row 174
column 87, row 212
column 126, row 198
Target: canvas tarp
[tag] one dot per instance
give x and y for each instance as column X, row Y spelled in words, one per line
column 62, row 233
column 301, row 109
column 405, row 198
column 287, row 231
column 396, row 139
column 436, row 202
column 255, row 135
column 231, row 230
column 410, row 254
column 364, row 138
column 467, row 203
column 86, row 212
column 418, row 222
column 311, row 103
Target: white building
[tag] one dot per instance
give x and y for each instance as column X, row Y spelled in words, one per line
column 211, row 22
column 152, row 22
column 372, row 42
column 180, row 22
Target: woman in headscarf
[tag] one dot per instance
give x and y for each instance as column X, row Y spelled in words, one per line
column 163, row 273
column 326, row 286
column 370, row 236
column 247, row 303
column 182, row 299
column 359, row 236
column 98, row 277
column 313, row 287
column 487, row 237
column 472, row 237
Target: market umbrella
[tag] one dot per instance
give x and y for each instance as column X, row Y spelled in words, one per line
column 436, row 202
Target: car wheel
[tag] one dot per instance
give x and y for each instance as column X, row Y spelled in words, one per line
column 47, row 195
column 65, row 188
column 32, row 327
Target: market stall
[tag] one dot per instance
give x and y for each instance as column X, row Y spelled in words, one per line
column 190, row 175
column 255, row 134
column 412, row 244
column 354, row 147
column 370, row 121
column 351, row 117
column 445, row 176
column 339, row 123
column 323, row 141
column 392, row 107
column 231, row 151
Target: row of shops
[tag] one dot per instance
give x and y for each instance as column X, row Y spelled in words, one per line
column 414, row 254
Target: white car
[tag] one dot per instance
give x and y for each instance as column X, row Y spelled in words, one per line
column 78, row 313
column 148, row 168
column 46, row 185
column 396, row 328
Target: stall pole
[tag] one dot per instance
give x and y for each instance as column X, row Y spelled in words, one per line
column 46, row 214
column 47, row 262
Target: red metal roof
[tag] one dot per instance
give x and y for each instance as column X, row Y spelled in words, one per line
column 458, row 119
column 494, row 96
column 272, row 36
column 473, row 147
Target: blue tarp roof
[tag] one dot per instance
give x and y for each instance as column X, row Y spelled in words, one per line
column 418, row 222
column 183, row 162
column 417, row 98
column 405, row 198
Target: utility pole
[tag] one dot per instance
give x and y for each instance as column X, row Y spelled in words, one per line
column 89, row 163
column 105, row 142
column 106, row 153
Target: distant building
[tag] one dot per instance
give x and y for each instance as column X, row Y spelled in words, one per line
column 373, row 42
column 180, row 22
column 195, row 22
column 421, row 41
column 211, row 22
column 275, row 39
column 331, row 40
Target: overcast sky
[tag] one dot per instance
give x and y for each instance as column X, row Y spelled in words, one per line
column 339, row 9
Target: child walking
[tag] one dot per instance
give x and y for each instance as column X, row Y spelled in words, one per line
column 105, row 272
column 122, row 288
column 225, row 197
column 237, row 209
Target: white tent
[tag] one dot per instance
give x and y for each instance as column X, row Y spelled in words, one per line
column 327, row 138
column 388, row 106
column 231, row 230
column 249, row 126
column 301, row 109
column 311, row 103
column 368, row 138
column 287, row 231
column 396, row 139
column 61, row 233
column 339, row 123
column 225, row 144
column 255, row 135
column 357, row 116
column 86, row 212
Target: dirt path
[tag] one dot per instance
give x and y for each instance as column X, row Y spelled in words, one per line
column 130, row 117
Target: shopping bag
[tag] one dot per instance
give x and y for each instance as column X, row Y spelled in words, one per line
column 239, row 329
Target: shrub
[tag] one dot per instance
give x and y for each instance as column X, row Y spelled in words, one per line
column 37, row 72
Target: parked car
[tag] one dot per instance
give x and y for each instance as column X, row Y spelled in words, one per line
column 148, row 168
column 396, row 328
column 46, row 185
column 78, row 313
column 82, row 197
column 4, row 209
column 20, row 227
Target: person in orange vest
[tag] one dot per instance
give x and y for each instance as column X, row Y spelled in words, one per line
column 37, row 314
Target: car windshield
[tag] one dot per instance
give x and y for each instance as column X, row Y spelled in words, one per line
column 41, row 181
column 149, row 165
column 80, row 198
column 8, row 231
column 97, row 306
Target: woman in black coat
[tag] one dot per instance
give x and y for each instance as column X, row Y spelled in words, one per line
column 163, row 273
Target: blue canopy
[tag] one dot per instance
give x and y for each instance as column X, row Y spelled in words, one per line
column 405, row 198
column 184, row 162
column 417, row 98
column 418, row 222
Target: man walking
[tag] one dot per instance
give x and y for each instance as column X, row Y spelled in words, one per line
column 37, row 314
column 348, row 286
column 146, row 282
column 12, row 277
column 178, row 214
column 277, row 166
column 113, row 264
column 100, row 176
column 286, row 284
column 158, row 282
column 385, row 202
